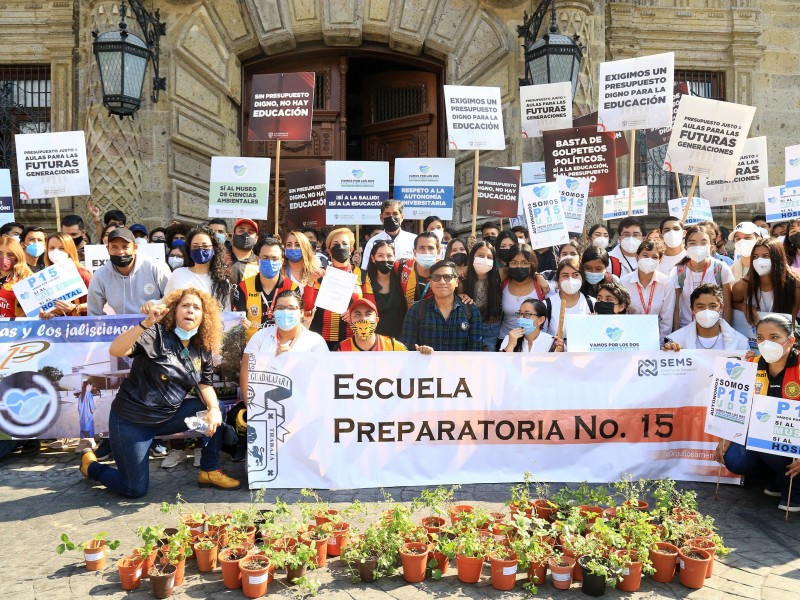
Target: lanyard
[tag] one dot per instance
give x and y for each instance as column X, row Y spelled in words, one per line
column 703, row 276
column 267, row 304
column 641, row 296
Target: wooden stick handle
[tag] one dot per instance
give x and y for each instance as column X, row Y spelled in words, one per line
column 562, row 310
column 475, row 192
column 277, row 179
column 689, row 199
column 631, row 171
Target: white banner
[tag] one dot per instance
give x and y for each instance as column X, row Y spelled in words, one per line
column 541, row 205
column 752, row 176
column 60, row 281
column 781, row 203
column 474, row 118
column 239, row 187
column 775, row 426
column 616, row 206
column 52, row 164
column 96, row 255
column 792, row 166
column 545, row 107
column 6, row 199
column 699, row 210
column 354, row 191
column 731, row 398
column 425, row 186
column 612, row 333
column 374, row 419
column 574, row 192
column 636, row 93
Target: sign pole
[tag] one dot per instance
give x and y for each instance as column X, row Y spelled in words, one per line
column 716, row 491
column 420, row 225
column 789, row 498
column 733, row 208
column 678, row 184
column 501, row 224
column 277, row 178
column 584, row 234
column 58, row 213
column 631, row 171
column 475, row 193
column 560, row 332
column 689, row 199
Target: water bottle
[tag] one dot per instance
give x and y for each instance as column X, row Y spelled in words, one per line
column 197, row 422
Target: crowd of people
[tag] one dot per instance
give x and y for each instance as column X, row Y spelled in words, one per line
column 429, row 292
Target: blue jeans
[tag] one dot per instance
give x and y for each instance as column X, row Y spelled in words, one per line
column 742, row 461
column 8, row 446
column 130, row 443
column 490, row 333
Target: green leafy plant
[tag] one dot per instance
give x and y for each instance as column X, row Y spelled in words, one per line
column 436, row 501
column 98, row 540
column 376, row 543
column 521, row 492
column 300, row 556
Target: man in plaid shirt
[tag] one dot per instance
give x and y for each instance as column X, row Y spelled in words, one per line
column 443, row 322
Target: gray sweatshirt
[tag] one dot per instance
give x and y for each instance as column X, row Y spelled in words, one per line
column 126, row 294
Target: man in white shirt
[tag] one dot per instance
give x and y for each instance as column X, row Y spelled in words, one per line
column 403, row 241
column 672, row 233
column 622, row 259
column 652, row 292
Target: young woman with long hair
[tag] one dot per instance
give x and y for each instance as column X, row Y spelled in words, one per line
column 60, row 247
column 302, row 265
column 381, row 286
column 206, row 267
column 482, row 287
column 13, row 269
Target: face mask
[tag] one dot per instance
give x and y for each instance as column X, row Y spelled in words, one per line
column 673, row 238
column 604, row 308
column 140, row 241
column 482, row 265
column 647, row 265
column 490, row 240
column 630, row 244
column 744, row 247
column 244, row 242
column 707, row 318
column 600, row 242
column 762, row 266
column 391, row 224
column 771, row 351
column 58, row 256
column 6, row 263
column 426, row 261
column 570, row 286
column 269, row 268
column 295, row 255
column 519, row 274
column 459, row 259
column 439, row 233
column 527, row 325
column 698, row 253
column 287, row 319
column 505, row 254
column 384, row 266
column 363, row 330
column 35, row 250
column 595, row 278
column 123, row 261
column 14, row 237
column 340, row 254
column 174, row 262
column 185, row 334
column 178, row 243
column 222, row 238
column 794, row 240
column 158, row 240
column 201, row 256
column 781, row 238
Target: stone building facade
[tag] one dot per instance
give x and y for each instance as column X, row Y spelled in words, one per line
column 156, row 166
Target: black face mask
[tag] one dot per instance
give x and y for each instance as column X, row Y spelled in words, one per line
column 490, row 239
column 244, row 242
column 121, row 261
column 459, row 259
column 794, row 240
column 505, row 254
column 384, row 266
column 604, row 308
column 391, row 224
column 519, row 274
column 340, row 254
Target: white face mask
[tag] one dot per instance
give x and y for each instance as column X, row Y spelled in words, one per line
column 771, row 351
column 58, row 256
column 762, row 266
column 707, row 318
column 482, row 265
column 175, row 262
column 571, row 286
column 631, row 244
column 439, row 233
column 744, row 247
column 600, row 242
column 673, row 238
column 647, row 265
column 698, row 253
column 141, row 241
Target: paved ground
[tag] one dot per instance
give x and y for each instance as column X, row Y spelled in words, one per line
column 44, row 495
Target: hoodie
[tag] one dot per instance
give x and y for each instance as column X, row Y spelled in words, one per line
column 125, row 294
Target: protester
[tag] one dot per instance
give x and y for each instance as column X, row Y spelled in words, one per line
column 594, row 263
column 183, row 331
column 761, row 222
column 13, row 269
column 206, row 268
column 244, row 262
column 568, row 250
column 176, row 234
column 449, row 235
column 707, row 330
column 522, row 234
column 744, row 238
column 516, row 290
column 568, row 300
column 435, row 225
column 482, row 288
column 778, row 376
column 655, row 236
column 414, row 272
column 381, row 286
column 791, row 243
column 672, row 233
column 528, row 336
column 717, row 240
column 598, row 236
column 74, row 227
column 139, row 231
column 33, row 240
column 392, row 218
column 778, row 230
column 651, row 292
column 61, row 248
column 302, row 265
column 12, row 229
column 112, row 217
column 364, row 323
column 158, row 235
column 630, row 233
column 457, row 253
column 489, row 232
column 127, row 281
column 106, row 231
column 612, row 299
column 220, row 229
column 443, row 322
column 504, row 244
column 176, row 257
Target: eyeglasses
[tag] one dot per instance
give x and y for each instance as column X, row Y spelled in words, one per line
column 439, row 277
column 205, row 247
column 525, row 315
column 516, row 265
column 156, row 240
column 287, row 308
column 638, row 236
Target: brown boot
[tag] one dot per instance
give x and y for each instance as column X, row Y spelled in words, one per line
column 217, row 479
column 87, row 459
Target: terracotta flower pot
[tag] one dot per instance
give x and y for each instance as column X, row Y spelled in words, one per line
column 206, row 559
column 469, row 568
column 457, row 510
column 544, row 510
column 229, row 560
column 664, row 561
column 255, row 576
column 631, row 575
column 708, row 546
column 516, row 508
column 322, row 518
column 321, row 547
column 442, row 561
column 163, row 580
column 296, row 573
column 592, row 513
column 694, row 565
column 561, row 572
column 433, row 524
column 639, row 505
column 414, row 557
column 504, row 572
column 147, row 563
column 338, row 541
column 130, row 572
column 94, row 553
column 366, row 569
column 537, row 572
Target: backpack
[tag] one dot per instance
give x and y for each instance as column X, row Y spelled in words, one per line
column 680, row 270
column 616, row 266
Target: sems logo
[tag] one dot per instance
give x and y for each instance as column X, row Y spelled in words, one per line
column 648, row 368
column 665, row 366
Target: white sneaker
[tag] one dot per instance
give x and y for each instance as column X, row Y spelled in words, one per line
column 174, row 458
column 791, row 508
column 198, row 453
column 63, row 444
column 84, row 445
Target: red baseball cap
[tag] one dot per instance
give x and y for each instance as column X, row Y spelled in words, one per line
column 361, row 302
column 246, row 222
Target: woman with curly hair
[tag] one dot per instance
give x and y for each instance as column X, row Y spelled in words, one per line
column 206, row 267
column 172, row 354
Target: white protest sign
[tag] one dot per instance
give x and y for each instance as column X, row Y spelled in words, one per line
column 59, row 281
column 425, row 186
column 781, row 203
column 354, row 191
column 636, row 93
column 708, row 137
column 731, row 398
column 574, row 193
column 775, row 426
column 532, row 172
column 792, row 166
column 474, row 118
column 699, row 210
column 6, row 199
column 545, row 107
column 544, row 216
column 612, row 333
column 752, row 176
column 96, row 255
column 239, row 187
column 616, row 206
column 336, row 290
column 52, row 164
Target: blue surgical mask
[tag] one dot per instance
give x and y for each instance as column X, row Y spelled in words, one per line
column 269, row 268
column 184, row 334
column 595, row 278
column 527, row 325
column 426, row 261
column 201, row 256
column 287, row 319
column 294, row 255
column 35, row 250
column 222, row 238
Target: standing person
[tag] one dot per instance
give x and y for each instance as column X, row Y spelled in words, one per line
column 568, row 250
column 630, row 233
column 302, row 265
column 652, row 292
column 140, row 233
column 206, row 268
column 33, row 240
column 516, row 289
column 504, row 244
column 568, row 277
column 244, row 262
column 717, row 240
column 697, row 268
column 414, row 272
column 707, row 330
column 528, row 336
column 744, row 237
column 364, row 323
column 74, row 227
column 220, row 229
column 777, row 376
column 13, row 269
column 86, row 408
column 483, row 289
column 392, row 218
column 443, row 322
column 436, row 226
column 791, row 243
column 672, row 233
column 381, row 286
column 594, row 265
column 172, row 352
column 522, row 234
column 598, row 236
column 158, row 235
column 611, row 299
column 456, row 252
column 13, row 229
column 61, row 248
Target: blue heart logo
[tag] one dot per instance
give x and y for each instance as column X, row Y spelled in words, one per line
column 762, row 416
column 27, row 406
column 240, row 170
column 358, row 172
column 794, row 161
column 614, row 333
column 540, row 191
column 424, row 169
column 572, row 184
column 733, row 369
column 772, row 199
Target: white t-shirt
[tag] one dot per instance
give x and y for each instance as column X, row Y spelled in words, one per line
column 692, row 280
column 668, row 262
column 511, row 305
column 542, row 343
column 265, row 341
column 719, row 343
column 580, row 308
column 182, row 278
column 663, row 295
column 403, row 244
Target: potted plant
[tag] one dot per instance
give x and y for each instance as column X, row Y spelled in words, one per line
column 150, row 535
column 296, row 562
column 531, row 543
column 205, row 551
column 504, row 562
column 130, row 571
column 229, row 560
column 591, row 500
column 664, row 557
column 94, row 550
column 318, row 538
column 414, row 558
column 174, row 552
column 437, row 503
column 561, row 569
column 468, row 547
column 599, row 571
column 520, row 501
column 373, row 553
column 255, row 576
column 694, row 565
column 162, row 580
column 632, row 492
column 545, row 509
